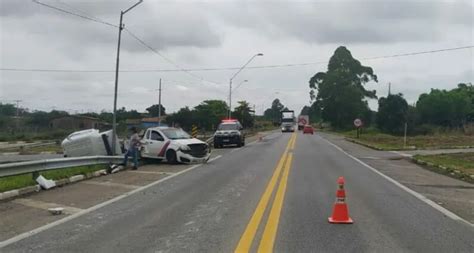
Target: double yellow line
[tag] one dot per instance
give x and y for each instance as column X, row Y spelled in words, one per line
column 268, row 237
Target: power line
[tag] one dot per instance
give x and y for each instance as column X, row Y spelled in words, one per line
column 75, row 14
column 179, row 68
column 418, row 53
column 233, row 68
column 141, row 41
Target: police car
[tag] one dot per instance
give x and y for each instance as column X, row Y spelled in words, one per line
column 229, row 132
column 173, row 145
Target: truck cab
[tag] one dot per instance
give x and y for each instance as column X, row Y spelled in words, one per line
column 287, row 121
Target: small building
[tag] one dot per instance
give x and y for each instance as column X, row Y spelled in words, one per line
column 77, row 122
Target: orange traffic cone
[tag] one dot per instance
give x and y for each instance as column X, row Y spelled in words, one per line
column 340, row 213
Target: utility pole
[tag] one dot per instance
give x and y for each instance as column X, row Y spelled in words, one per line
column 17, row 123
column 230, row 99
column 17, row 107
column 114, row 118
column 389, row 88
column 159, row 104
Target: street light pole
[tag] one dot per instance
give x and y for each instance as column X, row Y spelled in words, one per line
column 159, row 105
column 230, row 82
column 114, row 118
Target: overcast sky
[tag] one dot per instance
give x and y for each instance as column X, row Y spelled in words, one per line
column 216, row 34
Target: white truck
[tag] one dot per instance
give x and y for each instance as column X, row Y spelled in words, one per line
column 173, row 145
column 287, row 121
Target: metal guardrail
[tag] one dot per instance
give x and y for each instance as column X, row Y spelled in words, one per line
column 210, row 140
column 11, row 169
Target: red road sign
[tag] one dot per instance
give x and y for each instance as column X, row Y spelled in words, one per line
column 302, row 121
column 357, row 123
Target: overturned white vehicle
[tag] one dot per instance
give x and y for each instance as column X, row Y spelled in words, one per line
column 173, row 145
column 89, row 142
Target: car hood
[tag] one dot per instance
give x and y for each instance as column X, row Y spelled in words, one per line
column 188, row 141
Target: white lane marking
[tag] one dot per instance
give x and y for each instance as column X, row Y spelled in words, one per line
column 414, row 193
column 108, row 183
column 402, row 154
column 93, row 208
column 150, row 172
column 45, row 205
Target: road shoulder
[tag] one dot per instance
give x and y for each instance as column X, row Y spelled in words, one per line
column 455, row 195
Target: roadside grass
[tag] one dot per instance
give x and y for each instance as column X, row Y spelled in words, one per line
column 457, row 165
column 56, row 148
column 20, row 181
column 25, row 150
column 463, row 162
column 391, row 142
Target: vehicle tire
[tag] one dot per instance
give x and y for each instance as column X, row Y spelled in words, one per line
column 216, row 145
column 171, row 156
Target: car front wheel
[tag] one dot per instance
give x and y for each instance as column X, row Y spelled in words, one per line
column 171, row 156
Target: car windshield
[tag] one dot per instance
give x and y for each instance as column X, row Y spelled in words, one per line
column 175, row 134
column 228, row 127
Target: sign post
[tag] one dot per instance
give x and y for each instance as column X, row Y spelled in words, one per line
column 194, row 131
column 405, row 136
column 358, row 124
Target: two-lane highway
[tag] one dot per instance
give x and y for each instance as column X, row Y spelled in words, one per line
column 274, row 195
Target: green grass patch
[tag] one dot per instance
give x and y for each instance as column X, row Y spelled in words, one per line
column 48, row 148
column 463, row 162
column 19, row 181
column 391, row 142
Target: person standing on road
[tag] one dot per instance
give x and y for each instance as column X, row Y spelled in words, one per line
column 134, row 144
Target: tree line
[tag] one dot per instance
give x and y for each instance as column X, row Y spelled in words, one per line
column 338, row 96
column 209, row 113
column 41, row 119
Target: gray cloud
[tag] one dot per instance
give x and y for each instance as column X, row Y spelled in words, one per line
column 199, row 34
column 351, row 21
column 162, row 28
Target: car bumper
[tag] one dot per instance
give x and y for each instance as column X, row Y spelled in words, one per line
column 187, row 158
column 227, row 140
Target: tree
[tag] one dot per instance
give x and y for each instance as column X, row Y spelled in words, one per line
column 273, row 113
column 446, row 108
column 123, row 114
column 392, row 114
column 243, row 114
column 183, row 118
column 153, row 110
column 313, row 111
column 7, row 109
column 341, row 95
column 210, row 113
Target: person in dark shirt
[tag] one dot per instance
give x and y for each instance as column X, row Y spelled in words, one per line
column 132, row 150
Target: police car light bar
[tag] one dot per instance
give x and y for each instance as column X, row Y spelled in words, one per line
column 229, row 120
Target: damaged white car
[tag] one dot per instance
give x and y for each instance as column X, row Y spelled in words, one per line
column 173, row 145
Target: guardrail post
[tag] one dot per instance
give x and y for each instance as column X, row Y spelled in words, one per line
column 35, row 175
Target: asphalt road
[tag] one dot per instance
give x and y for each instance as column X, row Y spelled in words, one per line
column 273, row 195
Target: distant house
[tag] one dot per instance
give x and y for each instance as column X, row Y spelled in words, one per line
column 77, row 122
column 144, row 122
